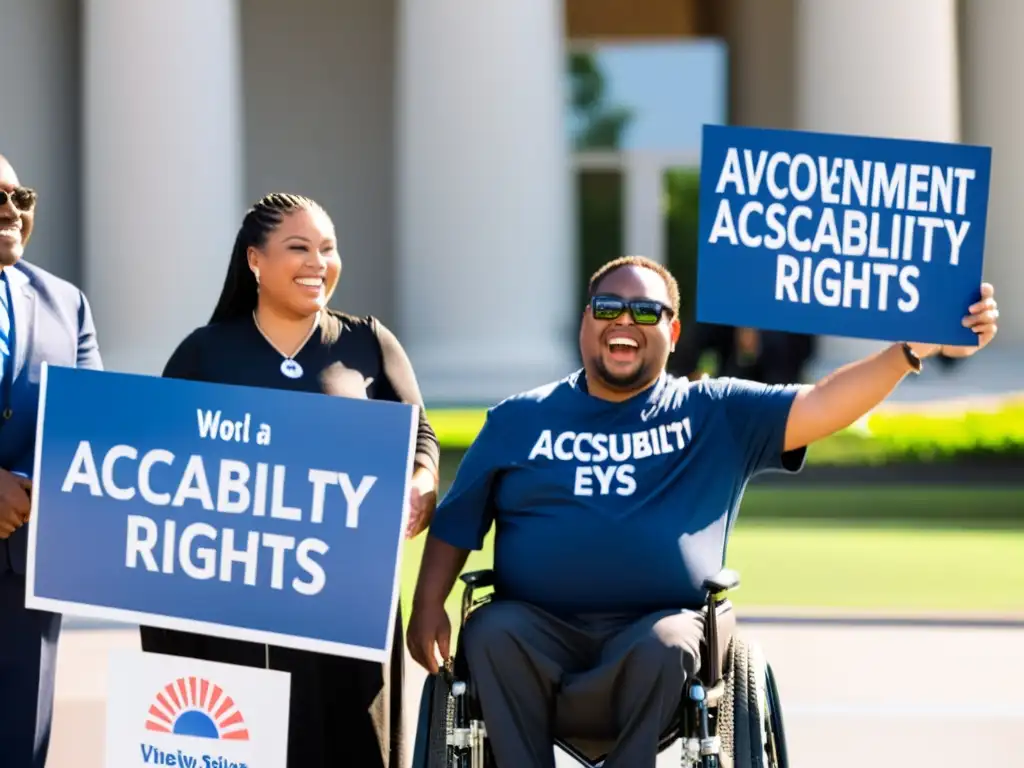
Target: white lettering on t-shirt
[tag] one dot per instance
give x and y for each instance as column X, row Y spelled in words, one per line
column 591, row 479
column 592, row 450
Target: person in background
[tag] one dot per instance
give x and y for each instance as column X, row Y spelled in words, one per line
column 42, row 319
column 768, row 357
column 272, row 328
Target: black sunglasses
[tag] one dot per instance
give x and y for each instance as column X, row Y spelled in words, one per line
column 644, row 311
column 24, row 199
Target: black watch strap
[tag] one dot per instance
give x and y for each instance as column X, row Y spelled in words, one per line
column 912, row 359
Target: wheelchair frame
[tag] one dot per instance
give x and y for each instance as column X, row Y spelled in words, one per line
column 463, row 743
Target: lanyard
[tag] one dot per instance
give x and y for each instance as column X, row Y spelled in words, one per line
column 8, row 378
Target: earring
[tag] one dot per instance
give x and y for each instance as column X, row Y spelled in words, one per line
column 256, row 273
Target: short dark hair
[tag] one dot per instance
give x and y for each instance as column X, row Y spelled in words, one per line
column 238, row 296
column 637, row 261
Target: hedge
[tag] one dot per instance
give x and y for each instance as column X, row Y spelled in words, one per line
column 888, row 435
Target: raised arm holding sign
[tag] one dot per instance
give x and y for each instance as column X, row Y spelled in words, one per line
column 850, row 236
column 850, row 392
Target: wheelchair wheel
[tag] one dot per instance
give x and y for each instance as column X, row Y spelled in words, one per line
column 431, row 750
column 750, row 718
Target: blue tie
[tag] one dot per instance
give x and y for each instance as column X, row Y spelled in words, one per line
column 6, row 352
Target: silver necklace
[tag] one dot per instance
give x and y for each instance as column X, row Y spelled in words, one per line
column 289, row 367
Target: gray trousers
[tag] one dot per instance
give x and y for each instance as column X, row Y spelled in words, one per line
column 608, row 678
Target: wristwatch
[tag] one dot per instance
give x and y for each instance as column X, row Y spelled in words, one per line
column 912, row 359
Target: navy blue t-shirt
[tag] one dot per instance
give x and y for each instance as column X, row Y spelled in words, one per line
column 603, row 506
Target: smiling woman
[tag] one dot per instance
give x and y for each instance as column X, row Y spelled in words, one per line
column 273, row 328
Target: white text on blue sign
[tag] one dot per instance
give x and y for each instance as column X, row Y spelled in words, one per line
column 237, row 488
column 868, row 255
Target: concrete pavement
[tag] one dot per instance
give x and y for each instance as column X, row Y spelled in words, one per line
column 852, row 695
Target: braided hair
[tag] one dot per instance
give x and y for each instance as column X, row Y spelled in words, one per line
column 238, row 296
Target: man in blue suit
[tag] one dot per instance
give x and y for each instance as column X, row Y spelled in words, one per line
column 42, row 318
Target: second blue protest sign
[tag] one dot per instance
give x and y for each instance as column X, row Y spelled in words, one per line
column 841, row 235
column 248, row 513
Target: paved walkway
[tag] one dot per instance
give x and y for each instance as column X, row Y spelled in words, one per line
column 852, row 696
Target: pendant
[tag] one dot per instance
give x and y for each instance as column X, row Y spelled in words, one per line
column 291, row 369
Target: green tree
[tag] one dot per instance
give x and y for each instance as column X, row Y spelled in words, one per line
column 597, row 125
column 682, row 196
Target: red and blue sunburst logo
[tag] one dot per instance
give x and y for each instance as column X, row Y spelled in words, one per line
column 193, row 706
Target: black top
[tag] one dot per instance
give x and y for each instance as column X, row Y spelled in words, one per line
column 346, row 356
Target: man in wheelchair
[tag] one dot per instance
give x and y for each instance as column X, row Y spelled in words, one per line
column 613, row 492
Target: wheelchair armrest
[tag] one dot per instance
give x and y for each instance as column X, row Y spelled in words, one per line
column 478, row 579
column 724, row 581
column 474, row 580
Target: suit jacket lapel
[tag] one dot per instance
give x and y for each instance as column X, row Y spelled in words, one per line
column 24, row 320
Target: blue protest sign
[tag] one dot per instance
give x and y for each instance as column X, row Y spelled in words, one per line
column 254, row 514
column 841, row 235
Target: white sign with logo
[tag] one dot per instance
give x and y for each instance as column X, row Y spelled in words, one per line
column 186, row 713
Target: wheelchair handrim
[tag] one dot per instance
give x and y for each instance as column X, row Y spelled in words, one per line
column 775, row 744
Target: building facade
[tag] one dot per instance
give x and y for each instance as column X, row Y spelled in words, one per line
column 434, row 132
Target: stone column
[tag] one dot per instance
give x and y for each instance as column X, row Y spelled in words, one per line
column 485, row 215
column 993, row 115
column 876, row 67
column 163, row 170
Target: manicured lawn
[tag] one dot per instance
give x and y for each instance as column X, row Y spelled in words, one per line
column 899, row 506
column 891, row 433
column 915, row 549
column 842, row 565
